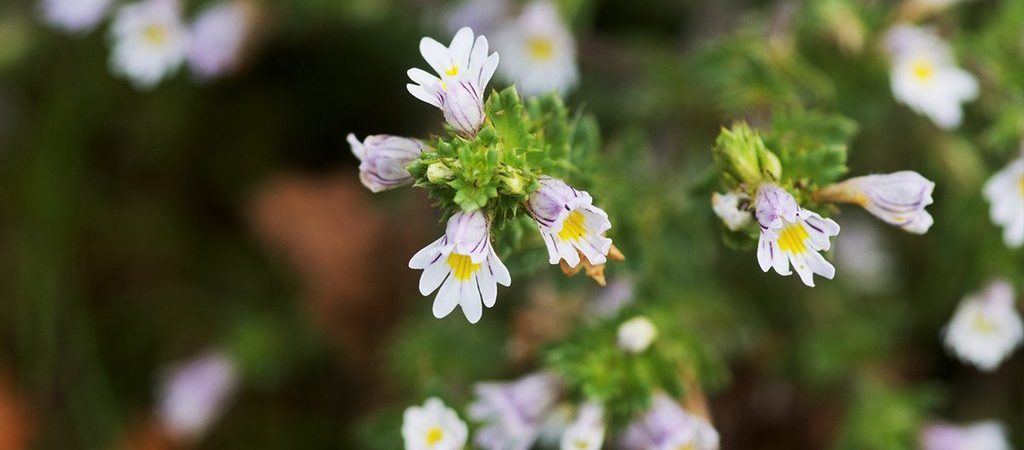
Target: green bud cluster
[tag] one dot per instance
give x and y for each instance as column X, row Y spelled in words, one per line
column 742, row 158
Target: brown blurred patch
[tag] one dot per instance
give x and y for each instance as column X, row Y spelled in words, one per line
column 15, row 421
column 547, row 316
column 147, row 434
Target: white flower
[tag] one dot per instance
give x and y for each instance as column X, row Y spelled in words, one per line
column 150, row 41
column 666, row 426
column 463, row 70
column 986, row 328
column 988, row 435
column 728, row 208
column 75, row 16
column 514, row 413
column 465, row 267
column 791, row 234
column 383, row 160
column 925, row 76
column 219, row 36
column 433, row 426
column 539, row 51
column 569, row 223
column 193, row 395
column 480, row 15
column 587, row 431
column 636, row 334
column 1005, row 191
column 897, row 198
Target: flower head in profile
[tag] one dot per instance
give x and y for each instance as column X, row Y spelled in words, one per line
column 729, row 207
column 926, row 78
column 514, row 413
column 150, row 41
column 792, row 235
column 986, row 328
column 1005, row 191
column 587, row 431
column 219, row 37
column 636, row 334
column 569, row 223
column 383, row 160
column 539, row 50
column 897, row 198
column 987, row 435
column 433, row 426
column 463, row 265
column 667, row 426
column 194, row 394
column 74, row 16
column 462, row 69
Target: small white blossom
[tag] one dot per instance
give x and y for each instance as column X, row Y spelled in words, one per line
column 480, row 15
column 569, row 223
column 383, row 160
column 514, row 413
column 1005, row 191
column 433, row 426
column 150, row 41
column 986, row 328
column 464, row 266
column 728, row 208
column 75, row 16
column 926, row 78
column 666, row 426
column 636, row 334
column 193, row 395
column 219, row 36
column 539, row 50
column 791, row 234
column 463, row 70
column 587, row 431
column 897, row 198
column 988, row 435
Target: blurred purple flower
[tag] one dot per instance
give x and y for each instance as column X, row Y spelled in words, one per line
column 219, row 36
column 194, row 394
column 514, row 412
column 75, row 16
column 666, row 426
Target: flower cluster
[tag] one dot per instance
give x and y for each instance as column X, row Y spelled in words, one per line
column 151, row 39
column 493, row 168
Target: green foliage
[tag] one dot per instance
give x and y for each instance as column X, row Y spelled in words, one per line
column 742, row 158
column 812, row 148
column 881, row 416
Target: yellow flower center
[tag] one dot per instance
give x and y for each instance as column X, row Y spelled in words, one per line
column 582, row 445
column 923, row 70
column 541, row 49
column 1020, row 185
column 452, row 71
column 462, row 266
column 573, row 227
column 792, row 238
column 688, row 446
column 155, row 34
column 434, row 435
column 982, row 325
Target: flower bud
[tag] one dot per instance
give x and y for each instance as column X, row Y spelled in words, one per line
column 727, row 208
column 636, row 334
column 438, row 172
column 743, row 158
column 383, row 160
column 897, row 198
column 463, row 107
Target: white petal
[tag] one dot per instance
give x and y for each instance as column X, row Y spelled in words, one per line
column 820, row 265
column 499, row 270
column 470, row 299
column 422, row 94
column 764, row 253
column 447, row 298
column 434, row 275
column 488, row 288
column 424, row 257
column 460, row 48
column 803, row 269
column 436, row 54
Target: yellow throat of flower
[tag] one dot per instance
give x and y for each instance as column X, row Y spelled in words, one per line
column 923, row 70
column 573, row 228
column 792, row 238
column 155, row 34
column 434, row 435
column 982, row 325
column 462, row 266
column 540, row 48
column 452, row 71
column 1020, row 185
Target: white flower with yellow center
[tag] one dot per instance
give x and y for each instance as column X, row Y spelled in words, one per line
column 539, row 50
column 383, row 160
column 463, row 265
column 150, row 41
column 1005, row 191
column 463, row 70
column 569, row 223
column 75, row 16
column 897, row 198
column 433, row 426
column 731, row 208
column 926, row 78
column 792, row 235
column 988, row 435
column 986, row 328
column 636, row 334
column 587, row 431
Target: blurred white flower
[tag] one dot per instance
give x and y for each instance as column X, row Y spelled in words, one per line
column 219, row 37
column 727, row 207
column 479, row 15
column 636, row 334
column 587, row 431
column 433, row 426
column 194, row 394
column 463, row 265
column 150, row 41
column 1005, row 191
column 463, row 70
column 539, row 50
column 569, row 223
column 513, row 413
column 926, row 78
column 383, row 160
column 75, row 16
column 666, row 426
column 897, row 198
column 986, row 328
column 988, row 435
column 791, row 234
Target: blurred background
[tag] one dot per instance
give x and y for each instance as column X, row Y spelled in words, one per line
column 143, row 230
